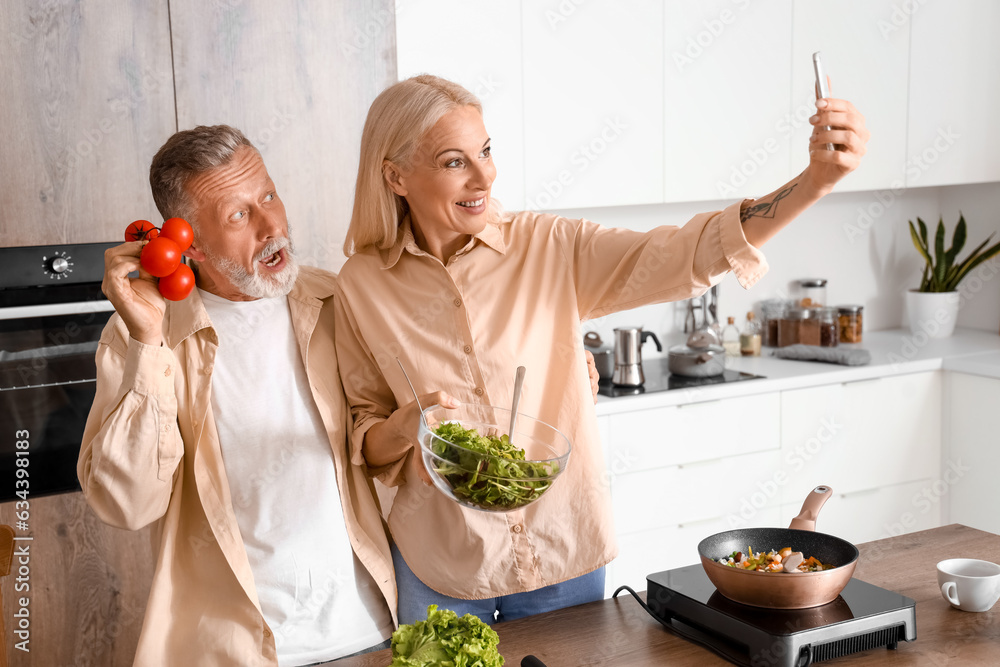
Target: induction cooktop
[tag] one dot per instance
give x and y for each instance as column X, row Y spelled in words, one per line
column 861, row 618
column 659, row 378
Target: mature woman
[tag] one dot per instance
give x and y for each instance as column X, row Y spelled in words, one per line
column 463, row 294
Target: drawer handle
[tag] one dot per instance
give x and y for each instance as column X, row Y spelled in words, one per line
column 688, row 524
column 697, row 464
column 691, row 405
column 863, row 492
column 865, row 381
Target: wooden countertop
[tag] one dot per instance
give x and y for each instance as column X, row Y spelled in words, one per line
column 620, row 632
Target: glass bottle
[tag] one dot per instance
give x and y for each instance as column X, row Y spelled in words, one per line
column 829, row 327
column 750, row 337
column 731, row 339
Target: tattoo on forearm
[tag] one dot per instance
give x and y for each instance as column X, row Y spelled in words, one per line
column 765, row 209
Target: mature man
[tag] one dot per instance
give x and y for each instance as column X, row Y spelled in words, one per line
column 222, row 419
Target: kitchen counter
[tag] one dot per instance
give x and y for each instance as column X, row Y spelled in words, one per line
column 619, row 632
column 894, row 352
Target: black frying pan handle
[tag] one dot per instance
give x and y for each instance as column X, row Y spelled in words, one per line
column 531, row 661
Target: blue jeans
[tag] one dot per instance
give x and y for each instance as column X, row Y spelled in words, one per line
column 415, row 595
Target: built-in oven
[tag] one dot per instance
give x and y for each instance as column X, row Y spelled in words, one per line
column 52, row 312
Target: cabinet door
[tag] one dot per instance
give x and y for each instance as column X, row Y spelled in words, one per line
column 675, row 435
column 861, row 435
column 593, row 117
column 735, row 488
column 953, row 133
column 434, row 37
column 300, row 94
column 972, row 461
column 727, row 128
column 867, row 60
column 874, row 514
column 87, row 99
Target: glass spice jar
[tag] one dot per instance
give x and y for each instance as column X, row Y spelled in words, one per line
column 798, row 326
column 773, row 310
column 829, row 327
column 813, row 293
column 850, row 320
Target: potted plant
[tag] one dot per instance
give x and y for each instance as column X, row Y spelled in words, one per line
column 933, row 307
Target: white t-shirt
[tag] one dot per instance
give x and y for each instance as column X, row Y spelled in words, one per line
column 316, row 596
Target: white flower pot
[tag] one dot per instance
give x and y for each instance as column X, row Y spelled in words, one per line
column 932, row 313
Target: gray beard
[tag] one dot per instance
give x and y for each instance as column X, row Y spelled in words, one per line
column 253, row 284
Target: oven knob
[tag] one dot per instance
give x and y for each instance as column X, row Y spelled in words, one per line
column 59, row 265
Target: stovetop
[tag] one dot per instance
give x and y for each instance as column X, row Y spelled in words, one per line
column 862, row 617
column 659, row 378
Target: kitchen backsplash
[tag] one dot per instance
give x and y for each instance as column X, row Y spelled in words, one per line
column 858, row 241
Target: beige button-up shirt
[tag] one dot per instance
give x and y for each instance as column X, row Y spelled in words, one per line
column 514, row 296
column 151, row 453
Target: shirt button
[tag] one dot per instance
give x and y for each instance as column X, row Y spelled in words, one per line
column 517, row 528
column 206, row 371
column 458, row 303
column 267, row 633
column 479, row 391
column 468, row 349
column 167, row 372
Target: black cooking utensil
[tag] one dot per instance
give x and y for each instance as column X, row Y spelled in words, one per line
column 531, row 661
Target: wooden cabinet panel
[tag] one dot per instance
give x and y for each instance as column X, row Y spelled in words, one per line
column 88, row 582
column 726, row 100
column 88, row 98
column 298, row 81
column 430, row 34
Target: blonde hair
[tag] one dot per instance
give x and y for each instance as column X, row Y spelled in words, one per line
column 397, row 120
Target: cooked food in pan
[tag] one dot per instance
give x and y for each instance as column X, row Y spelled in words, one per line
column 784, row 560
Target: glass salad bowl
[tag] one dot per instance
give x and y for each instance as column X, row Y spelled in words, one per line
column 482, row 469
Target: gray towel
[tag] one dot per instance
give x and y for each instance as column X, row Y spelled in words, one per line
column 833, row 355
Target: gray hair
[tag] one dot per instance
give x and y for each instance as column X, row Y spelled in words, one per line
column 185, row 155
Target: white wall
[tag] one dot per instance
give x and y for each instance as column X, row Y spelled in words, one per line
column 858, row 241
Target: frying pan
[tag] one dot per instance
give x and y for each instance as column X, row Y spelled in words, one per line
column 780, row 590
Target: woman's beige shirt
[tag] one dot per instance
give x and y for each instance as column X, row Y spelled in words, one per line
column 514, row 296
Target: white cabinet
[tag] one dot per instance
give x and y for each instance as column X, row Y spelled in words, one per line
column 727, row 99
column 679, row 474
column 953, row 133
column 874, row 514
column 972, row 457
column 876, row 442
column 593, row 113
column 435, row 37
column 867, row 60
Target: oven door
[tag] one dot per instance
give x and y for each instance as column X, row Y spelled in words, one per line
column 47, row 385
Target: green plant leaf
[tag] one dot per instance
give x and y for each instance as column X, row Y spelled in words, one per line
column 957, row 241
column 920, row 245
column 972, row 261
column 924, row 282
column 923, row 230
column 940, row 266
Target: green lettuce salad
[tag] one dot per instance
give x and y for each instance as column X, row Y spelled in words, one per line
column 445, row 640
column 503, row 480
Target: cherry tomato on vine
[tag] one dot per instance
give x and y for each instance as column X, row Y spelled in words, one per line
column 177, row 285
column 179, row 231
column 141, row 229
column 160, row 257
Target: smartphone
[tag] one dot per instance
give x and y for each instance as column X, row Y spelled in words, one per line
column 822, row 88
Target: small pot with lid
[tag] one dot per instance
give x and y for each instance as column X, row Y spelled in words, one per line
column 701, row 357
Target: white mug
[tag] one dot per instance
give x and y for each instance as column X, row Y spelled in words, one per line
column 969, row 584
